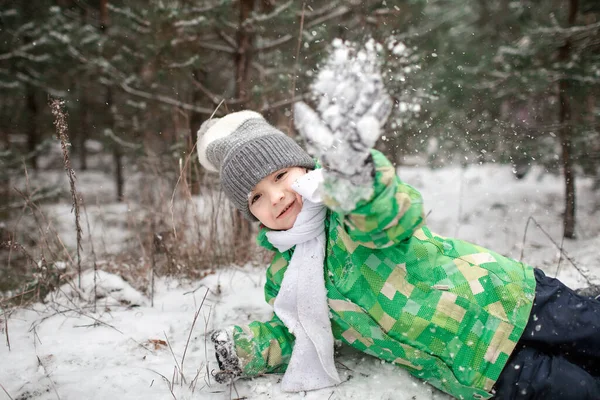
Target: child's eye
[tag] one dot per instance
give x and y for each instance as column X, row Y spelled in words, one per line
column 254, row 198
column 280, row 175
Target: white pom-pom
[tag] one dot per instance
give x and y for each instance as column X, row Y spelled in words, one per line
column 219, row 128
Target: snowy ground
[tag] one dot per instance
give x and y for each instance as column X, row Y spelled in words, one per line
column 126, row 349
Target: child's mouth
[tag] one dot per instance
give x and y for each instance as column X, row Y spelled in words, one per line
column 285, row 210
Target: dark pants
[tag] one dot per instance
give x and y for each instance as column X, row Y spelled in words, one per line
column 558, row 355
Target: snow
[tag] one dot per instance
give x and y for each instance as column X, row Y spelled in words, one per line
column 109, row 290
column 64, row 349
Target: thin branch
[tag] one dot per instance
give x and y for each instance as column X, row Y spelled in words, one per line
column 48, row 376
column 338, row 12
column 228, row 39
column 169, row 384
column 206, row 320
column 282, row 103
column 164, row 99
column 129, row 14
column 9, row 396
column 87, row 220
column 213, row 97
column 191, row 329
column 562, row 242
column 265, row 17
column 273, row 44
column 312, row 13
column 6, row 331
column 555, row 244
column 216, row 47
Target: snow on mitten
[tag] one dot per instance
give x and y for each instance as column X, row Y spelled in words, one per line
column 229, row 364
column 351, row 107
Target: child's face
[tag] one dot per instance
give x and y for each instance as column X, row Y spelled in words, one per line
column 273, row 201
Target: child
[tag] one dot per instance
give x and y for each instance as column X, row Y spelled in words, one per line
column 467, row 320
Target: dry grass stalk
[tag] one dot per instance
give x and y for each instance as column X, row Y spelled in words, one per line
column 6, row 316
column 60, row 122
column 9, row 396
column 87, row 220
column 48, row 376
column 192, row 329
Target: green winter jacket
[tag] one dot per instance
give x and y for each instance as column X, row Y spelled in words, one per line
column 448, row 311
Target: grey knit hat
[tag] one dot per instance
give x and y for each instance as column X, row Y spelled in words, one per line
column 244, row 148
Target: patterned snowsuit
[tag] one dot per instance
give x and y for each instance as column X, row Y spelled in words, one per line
column 448, row 311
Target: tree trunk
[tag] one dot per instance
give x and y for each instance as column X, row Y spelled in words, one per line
column 117, row 153
column 243, row 56
column 84, row 126
column 196, row 120
column 119, row 181
column 84, row 108
column 566, row 133
column 33, row 138
column 5, row 192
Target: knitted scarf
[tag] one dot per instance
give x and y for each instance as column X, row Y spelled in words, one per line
column 302, row 300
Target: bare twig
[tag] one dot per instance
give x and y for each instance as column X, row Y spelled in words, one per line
column 34, row 207
column 60, row 122
column 192, row 329
column 172, row 352
column 562, row 252
column 169, row 383
column 560, row 257
column 350, row 369
column 87, row 220
column 48, row 376
column 12, row 245
column 182, row 172
column 9, row 396
column 6, row 331
column 195, row 380
column 198, row 288
column 206, row 319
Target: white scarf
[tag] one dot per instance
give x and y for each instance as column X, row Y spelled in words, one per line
column 302, row 300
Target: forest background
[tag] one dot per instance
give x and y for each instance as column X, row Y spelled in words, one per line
column 474, row 82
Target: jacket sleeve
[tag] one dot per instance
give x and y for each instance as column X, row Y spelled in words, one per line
column 265, row 347
column 390, row 215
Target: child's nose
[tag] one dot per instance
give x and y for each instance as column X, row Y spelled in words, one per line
column 276, row 197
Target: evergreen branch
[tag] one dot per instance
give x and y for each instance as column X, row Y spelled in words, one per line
column 216, row 47
column 39, row 84
column 256, row 17
column 184, row 64
column 190, row 22
column 567, row 32
column 228, row 39
column 270, row 45
column 338, row 12
column 129, row 14
column 286, row 102
column 321, row 11
column 164, row 99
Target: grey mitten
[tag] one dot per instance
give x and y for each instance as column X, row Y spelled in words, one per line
column 229, row 364
column 345, row 154
column 352, row 106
